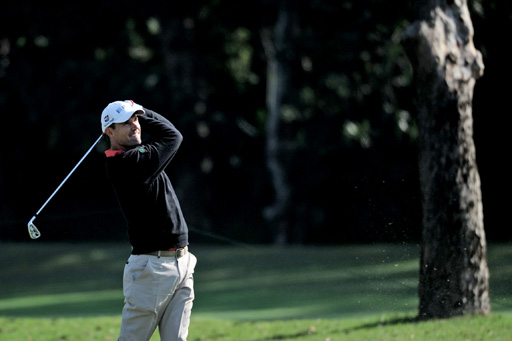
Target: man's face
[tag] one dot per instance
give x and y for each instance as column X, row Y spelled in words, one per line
column 125, row 135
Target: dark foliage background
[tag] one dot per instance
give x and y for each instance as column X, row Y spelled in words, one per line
column 349, row 139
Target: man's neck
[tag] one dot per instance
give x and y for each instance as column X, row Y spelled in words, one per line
column 117, row 146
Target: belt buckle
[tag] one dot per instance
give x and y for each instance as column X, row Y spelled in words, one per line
column 180, row 252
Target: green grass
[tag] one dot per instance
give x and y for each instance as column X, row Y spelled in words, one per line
column 495, row 328
column 64, row 291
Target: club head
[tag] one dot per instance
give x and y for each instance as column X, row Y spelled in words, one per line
column 32, row 229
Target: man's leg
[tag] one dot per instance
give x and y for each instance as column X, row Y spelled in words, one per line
column 139, row 312
column 176, row 318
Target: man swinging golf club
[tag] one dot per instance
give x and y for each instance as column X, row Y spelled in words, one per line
column 158, row 276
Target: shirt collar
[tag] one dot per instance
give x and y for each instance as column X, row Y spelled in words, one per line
column 112, row 153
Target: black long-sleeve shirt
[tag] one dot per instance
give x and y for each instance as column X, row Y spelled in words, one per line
column 144, row 191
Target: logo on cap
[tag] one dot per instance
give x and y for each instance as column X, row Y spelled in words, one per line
column 106, row 118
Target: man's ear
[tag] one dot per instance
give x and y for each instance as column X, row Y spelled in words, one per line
column 109, row 131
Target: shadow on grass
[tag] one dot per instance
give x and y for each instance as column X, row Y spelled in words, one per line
column 292, row 336
column 392, row 322
column 312, row 331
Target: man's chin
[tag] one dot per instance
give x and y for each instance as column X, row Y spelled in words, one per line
column 135, row 141
column 132, row 144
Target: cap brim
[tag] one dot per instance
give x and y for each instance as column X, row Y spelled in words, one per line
column 126, row 115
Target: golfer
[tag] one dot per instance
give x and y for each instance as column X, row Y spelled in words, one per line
column 158, row 276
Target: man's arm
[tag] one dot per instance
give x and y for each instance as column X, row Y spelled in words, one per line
column 164, row 139
column 148, row 160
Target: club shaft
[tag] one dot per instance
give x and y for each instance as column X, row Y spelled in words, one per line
column 62, row 183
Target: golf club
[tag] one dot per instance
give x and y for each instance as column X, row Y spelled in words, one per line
column 32, row 229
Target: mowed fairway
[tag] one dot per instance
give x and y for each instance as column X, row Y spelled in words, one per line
column 234, row 285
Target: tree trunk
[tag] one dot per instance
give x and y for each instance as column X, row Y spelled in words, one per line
column 177, row 44
column 454, row 277
column 276, row 44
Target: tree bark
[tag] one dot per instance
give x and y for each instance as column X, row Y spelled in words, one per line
column 277, row 44
column 454, row 277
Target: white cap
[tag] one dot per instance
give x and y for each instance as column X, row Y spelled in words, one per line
column 118, row 112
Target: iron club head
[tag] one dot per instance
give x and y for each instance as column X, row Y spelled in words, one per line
column 32, row 229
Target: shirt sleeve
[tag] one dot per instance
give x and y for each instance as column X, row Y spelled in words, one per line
column 147, row 161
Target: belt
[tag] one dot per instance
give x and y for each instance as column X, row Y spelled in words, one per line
column 175, row 253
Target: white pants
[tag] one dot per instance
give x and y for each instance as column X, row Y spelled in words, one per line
column 158, row 291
